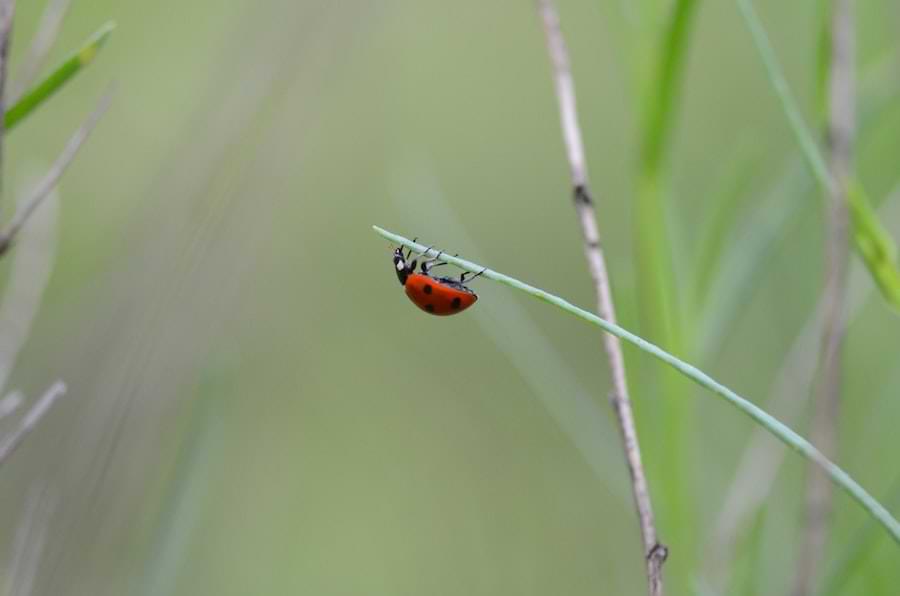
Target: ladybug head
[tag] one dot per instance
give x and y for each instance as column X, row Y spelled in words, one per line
column 401, row 267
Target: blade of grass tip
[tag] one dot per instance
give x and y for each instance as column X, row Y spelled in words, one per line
column 7, row 10
column 778, row 429
column 872, row 242
column 48, row 29
column 59, row 77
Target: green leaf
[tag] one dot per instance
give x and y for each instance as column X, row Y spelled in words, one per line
column 59, row 77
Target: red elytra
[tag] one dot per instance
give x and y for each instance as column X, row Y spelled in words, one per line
column 441, row 296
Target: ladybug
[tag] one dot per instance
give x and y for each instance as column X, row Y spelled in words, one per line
column 441, row 296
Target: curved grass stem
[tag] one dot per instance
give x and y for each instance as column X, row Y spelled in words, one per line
column 781, row 431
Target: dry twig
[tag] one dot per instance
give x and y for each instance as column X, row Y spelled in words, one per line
column 654, row 552
column 9, row 443
column 30, row 272
column 841, row 130
column 51, row 178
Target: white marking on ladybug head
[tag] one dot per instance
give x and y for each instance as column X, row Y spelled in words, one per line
column 401, row 265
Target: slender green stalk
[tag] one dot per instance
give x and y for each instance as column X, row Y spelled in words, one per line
column 802, row 133
column 59, row 77
column 660, row 305
column 871, row 240
column 874, row 243
column 781, row 431
column 661, row 100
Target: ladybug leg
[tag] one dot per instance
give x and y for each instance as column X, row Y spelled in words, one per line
column 427, row 266
column 406, row 258
column 430, row 263
column 462, row 277
column 412, row 265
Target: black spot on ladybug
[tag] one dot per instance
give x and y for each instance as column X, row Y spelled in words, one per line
column 427, row 289
column 455, row 303
column 429, row 307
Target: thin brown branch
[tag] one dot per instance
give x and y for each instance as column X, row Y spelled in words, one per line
column 654, row 553
column 11, row 442
column 7, row 11
column 841, row 131
column 46, row 185
column 47, row 31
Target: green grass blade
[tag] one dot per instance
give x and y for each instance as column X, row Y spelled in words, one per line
column 823, row 59
column 656, row 282
column 59, row 77
column 662, row 97
column 781, row 431
column 804, row 137
column 871, row 241
column 874, row 244
column 661, row 312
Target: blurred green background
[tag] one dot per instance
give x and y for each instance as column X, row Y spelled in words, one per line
column 256, row 408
